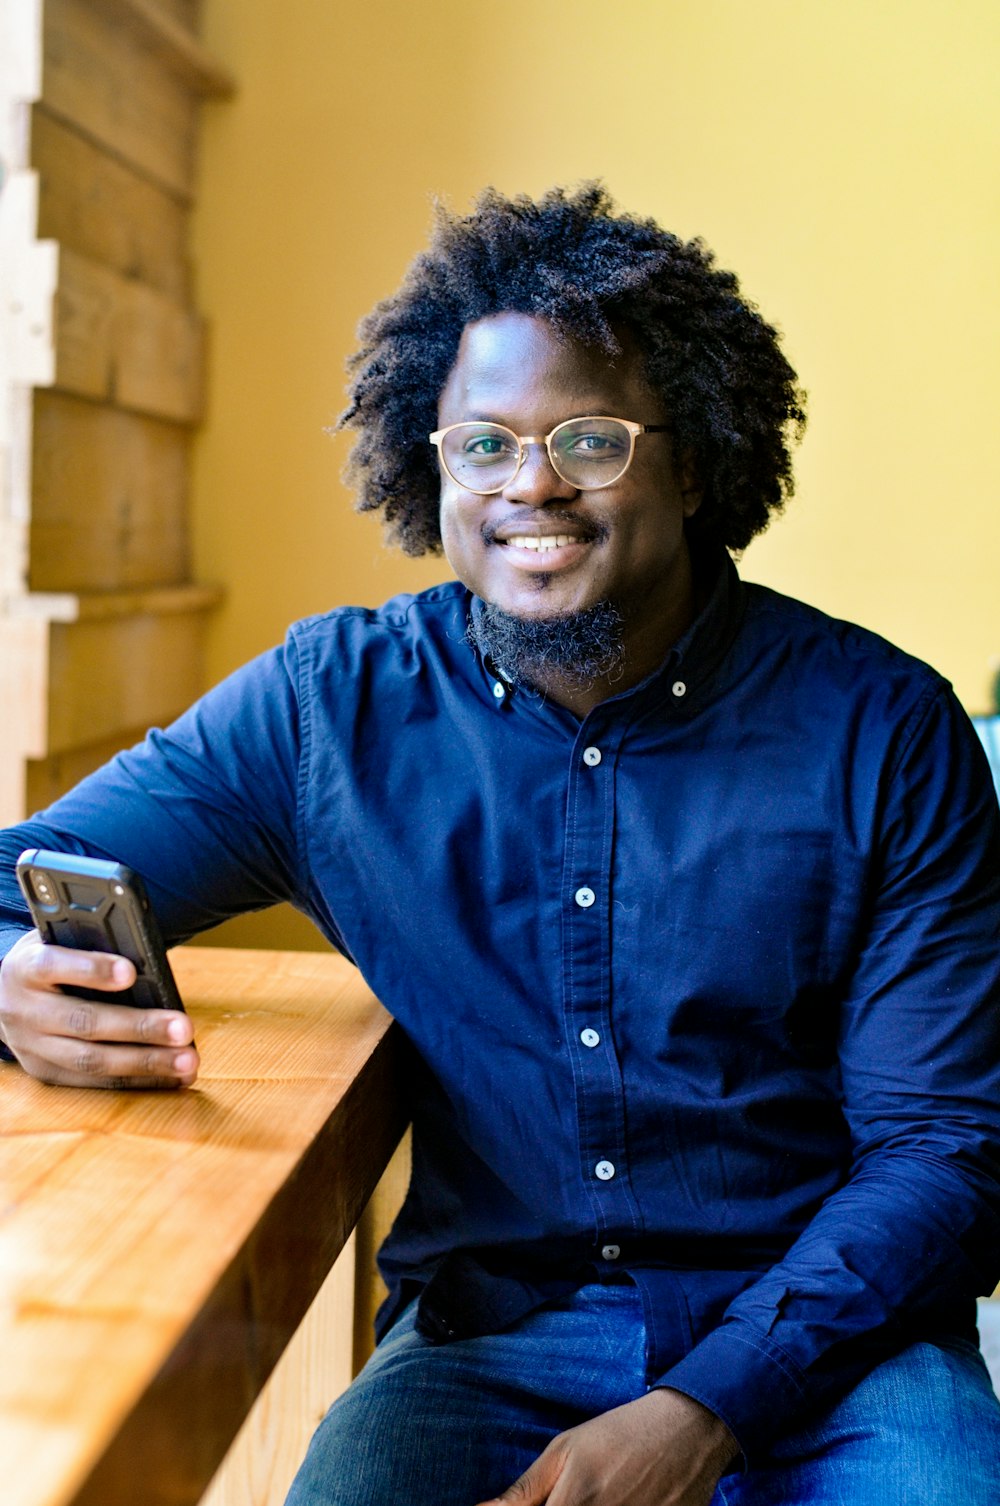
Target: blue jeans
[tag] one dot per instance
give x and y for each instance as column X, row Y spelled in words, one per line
column 451, row 1425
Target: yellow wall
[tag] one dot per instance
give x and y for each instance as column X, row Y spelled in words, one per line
column 843, row 158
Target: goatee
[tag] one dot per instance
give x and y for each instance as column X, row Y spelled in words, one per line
column 575, row 649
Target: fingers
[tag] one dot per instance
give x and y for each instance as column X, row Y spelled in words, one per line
column 76, row 1042
column 69, row 1062
column 534, row 1486
column 663, row 1449
column 35, row 965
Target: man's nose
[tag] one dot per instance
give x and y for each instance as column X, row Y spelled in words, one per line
column 537, row 482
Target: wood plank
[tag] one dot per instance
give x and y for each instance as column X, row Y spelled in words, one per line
column 121, row 673
column 31, row 778
column 94, row 204
column 109, row 498
column 24, row 663
column 185, row 12
column 68, row 558
column 108, row 676
column 97, row 606
column 159, row 1250
column 373, row 1226
column 173, row 43
column 121, row 342
column 159, row 355
column 312, row 1373
column 96, row 75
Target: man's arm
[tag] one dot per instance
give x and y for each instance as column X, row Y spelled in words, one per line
column 205, row 812
column 914, row 1235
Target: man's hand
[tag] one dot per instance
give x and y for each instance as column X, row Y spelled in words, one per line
column 663, row 1450
column 81, row 1043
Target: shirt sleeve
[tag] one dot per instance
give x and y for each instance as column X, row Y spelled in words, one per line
column 205, row 811
column 915, row 1231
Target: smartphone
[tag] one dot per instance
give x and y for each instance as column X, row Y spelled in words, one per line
column 99, row 906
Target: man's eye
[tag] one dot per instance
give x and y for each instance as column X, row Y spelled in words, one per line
column 596, row 446
column 485, row 447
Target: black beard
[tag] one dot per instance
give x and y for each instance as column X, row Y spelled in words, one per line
column 575, row 649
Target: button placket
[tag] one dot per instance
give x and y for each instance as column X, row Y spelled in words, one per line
column 597, row 1070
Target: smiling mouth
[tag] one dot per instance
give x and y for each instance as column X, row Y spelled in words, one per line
column 541, row 542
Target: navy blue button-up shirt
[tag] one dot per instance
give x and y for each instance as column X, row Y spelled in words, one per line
column 702, row 988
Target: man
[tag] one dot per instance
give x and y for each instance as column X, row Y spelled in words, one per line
column 685, row 894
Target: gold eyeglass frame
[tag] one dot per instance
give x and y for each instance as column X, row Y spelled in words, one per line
column 634, row 429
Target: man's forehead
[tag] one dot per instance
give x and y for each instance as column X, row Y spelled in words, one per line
column 517, row 353
column 498, row 337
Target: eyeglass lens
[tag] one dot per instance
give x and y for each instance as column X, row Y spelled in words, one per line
column 587, row 452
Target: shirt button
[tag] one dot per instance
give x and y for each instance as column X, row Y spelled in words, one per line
column 590, row 1037
column 605, row 1170
column 679, row 688
column 592, row 757
column 610, row 1252
column 585, row 898
column 499, row 690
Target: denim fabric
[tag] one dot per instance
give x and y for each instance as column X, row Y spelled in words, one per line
column 451, row 1425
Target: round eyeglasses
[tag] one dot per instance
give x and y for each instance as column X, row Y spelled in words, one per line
column 588, row 453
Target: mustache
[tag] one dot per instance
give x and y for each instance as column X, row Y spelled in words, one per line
column 589, row 530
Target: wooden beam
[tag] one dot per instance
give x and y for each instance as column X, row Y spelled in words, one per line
column 113, row 88
column 138, row 671
column 177, row 47
column 100, row 606
column 98, row 206
column 127, row 344
column 64, row 662
column 110, row 498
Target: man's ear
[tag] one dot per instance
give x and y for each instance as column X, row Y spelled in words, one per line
column 689, row 476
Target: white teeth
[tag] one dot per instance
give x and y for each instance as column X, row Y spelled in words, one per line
column 547, row 541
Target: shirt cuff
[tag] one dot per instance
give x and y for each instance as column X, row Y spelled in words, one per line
column 752, row 1385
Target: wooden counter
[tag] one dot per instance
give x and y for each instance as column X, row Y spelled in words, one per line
column 158, row 1250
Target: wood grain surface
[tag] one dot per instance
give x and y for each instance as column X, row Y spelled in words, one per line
column 157, row 1251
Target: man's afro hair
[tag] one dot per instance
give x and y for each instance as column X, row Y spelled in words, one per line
column 597, row 276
